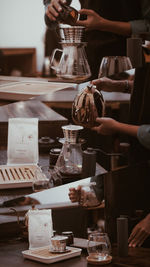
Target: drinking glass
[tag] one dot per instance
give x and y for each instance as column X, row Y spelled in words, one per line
column 99, row 247
column 114, row 66
column 88, row 197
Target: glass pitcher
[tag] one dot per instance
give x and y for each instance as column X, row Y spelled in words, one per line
column 71, row 62
column 70, row 158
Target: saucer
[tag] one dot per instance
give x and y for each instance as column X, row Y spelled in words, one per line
column 99, row 262
column 59, row 252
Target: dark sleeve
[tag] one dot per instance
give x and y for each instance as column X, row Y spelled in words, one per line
column 99, row 187
column 48, row 22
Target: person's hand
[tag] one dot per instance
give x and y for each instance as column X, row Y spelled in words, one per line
column 140, row 232
column 75, row 194
column 84, row 198
column 107, row 126
column 105, row 84
column 54, row 8
column 78, row 195
column 93, row 21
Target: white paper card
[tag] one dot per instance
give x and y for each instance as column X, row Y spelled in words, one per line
column 22, row 145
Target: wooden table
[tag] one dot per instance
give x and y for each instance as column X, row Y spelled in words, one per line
column 11, row 256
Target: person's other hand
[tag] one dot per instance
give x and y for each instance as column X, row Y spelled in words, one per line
column 140, row 232
column 93, row 21
column 75, row 194
column 107, row 126
column 84, row 198
column 105, row 84
column 54, row 8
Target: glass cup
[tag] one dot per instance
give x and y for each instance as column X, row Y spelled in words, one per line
column 58, row 243
column 99, row 247
column 88, row 197
column 40, row 185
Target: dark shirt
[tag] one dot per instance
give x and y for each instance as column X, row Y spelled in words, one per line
column 140, row 110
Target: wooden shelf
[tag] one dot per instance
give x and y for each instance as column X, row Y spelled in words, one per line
column 22, row 59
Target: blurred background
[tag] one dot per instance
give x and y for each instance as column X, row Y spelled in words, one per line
column 22, row 26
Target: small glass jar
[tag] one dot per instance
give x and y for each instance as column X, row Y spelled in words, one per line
column 99, row 247
column 53, row 156
column 69, row 234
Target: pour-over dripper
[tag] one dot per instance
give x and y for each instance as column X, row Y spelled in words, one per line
column 71, row 133
column 71, row 34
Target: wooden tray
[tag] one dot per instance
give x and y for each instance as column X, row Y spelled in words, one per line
column 45, row 256
column 17, row 176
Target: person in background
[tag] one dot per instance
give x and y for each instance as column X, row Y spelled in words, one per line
column 139, row 113
column 127, row 27
column 101, row 41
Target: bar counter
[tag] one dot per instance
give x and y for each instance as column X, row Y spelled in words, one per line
column 54, row 92
column 11, row 256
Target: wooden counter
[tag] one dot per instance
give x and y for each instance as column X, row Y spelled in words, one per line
column 11, row 256
column 15, row 89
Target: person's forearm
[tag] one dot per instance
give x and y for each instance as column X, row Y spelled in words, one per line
column 127, row 129
column 124, row 86
column 118, row 27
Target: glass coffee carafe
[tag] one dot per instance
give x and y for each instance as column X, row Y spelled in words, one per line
column 114, row 66
column 70, row 158
column 71, row 62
